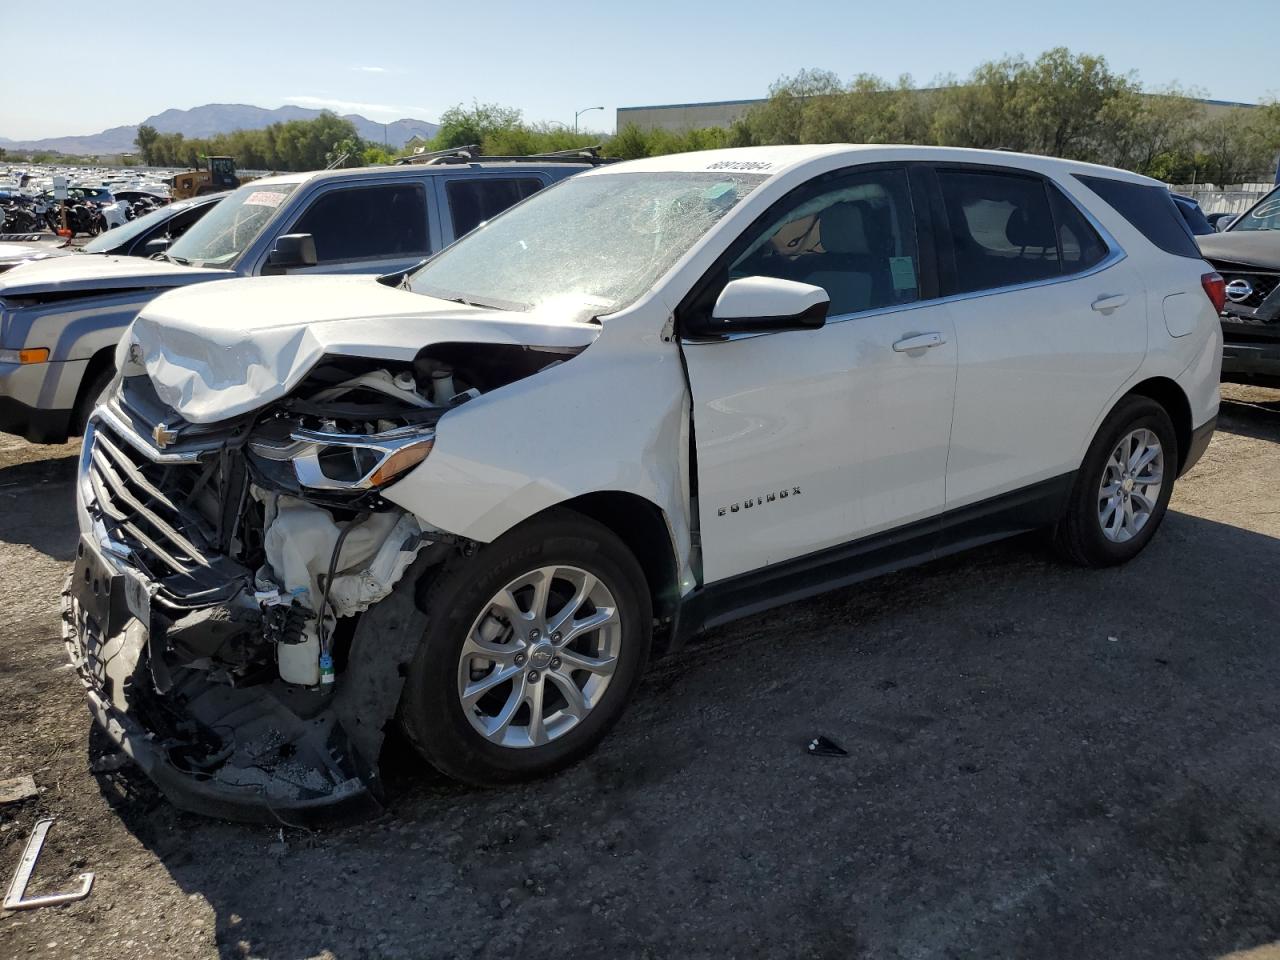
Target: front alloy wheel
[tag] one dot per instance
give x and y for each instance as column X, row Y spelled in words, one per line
column 534, row 644
column 540, row 657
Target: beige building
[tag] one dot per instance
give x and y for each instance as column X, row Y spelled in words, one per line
column 679, row 117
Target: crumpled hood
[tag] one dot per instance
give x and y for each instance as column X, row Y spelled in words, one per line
column 1259, row 249
column 225, row 349
column 90, row 274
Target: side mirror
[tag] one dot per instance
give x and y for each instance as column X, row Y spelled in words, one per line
column 155, row 247
column 1226, row 222
column 291, row 251
column 768, row 304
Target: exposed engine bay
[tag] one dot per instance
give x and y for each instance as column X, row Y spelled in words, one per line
column 246, row 602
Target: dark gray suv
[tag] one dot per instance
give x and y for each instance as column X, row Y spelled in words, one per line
column 1248, row 257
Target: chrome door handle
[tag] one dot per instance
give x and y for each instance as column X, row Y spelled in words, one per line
column 1108, row 303
column 919, row 341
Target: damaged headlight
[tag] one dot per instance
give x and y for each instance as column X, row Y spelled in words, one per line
column 324, row 460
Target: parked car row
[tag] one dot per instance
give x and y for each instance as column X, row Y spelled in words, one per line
column 438, row 444
column 146, row 236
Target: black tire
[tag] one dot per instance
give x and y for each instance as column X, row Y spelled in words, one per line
column 431, row 712
column 89, row 396
column 1078, row 535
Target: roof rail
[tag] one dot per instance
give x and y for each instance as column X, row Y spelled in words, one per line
column 471, row 154
column 421, row 155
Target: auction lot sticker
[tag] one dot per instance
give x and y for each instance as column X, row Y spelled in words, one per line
column 265, row 198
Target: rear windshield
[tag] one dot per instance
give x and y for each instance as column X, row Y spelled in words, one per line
column 1150, row 210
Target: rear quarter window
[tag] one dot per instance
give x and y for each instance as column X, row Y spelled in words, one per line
column 1150, row 210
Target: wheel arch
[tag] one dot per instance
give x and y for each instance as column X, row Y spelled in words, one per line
column 1174, row 399
column 104, row 359
column 642, row 527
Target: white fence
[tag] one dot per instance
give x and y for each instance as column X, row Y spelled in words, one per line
column 1233, row 198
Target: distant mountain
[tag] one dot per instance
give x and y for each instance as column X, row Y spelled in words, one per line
column 213, row 118
column 115, row 140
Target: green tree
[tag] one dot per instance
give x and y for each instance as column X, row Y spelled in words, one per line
column 145, row 140
column 1062, row 97
column 461, row 125
column 1057, row 104
column 1152, row 133
column 787, row 116
column 347, row 152
column 375, row 154
column 1235, row 146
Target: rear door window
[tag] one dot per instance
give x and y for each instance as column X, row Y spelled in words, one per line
column 1150, row 210
column 474, row 200
column 1002, row 230
column 367, row 223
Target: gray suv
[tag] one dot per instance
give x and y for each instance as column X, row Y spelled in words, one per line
column 60, row 318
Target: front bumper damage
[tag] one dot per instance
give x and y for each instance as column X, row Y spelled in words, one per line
column 281, row 755
column 235, row 744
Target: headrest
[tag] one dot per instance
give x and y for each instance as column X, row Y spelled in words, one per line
column 843, row 230
column 1023, row 231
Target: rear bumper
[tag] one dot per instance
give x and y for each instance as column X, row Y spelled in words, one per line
column 1251, row 359
column 1200, row 439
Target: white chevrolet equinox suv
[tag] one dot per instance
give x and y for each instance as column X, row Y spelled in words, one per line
column 478, row 495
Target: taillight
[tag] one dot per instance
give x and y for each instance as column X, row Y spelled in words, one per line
column 1215, row 288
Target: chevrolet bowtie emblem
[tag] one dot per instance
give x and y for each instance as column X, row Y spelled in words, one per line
column 163, row 436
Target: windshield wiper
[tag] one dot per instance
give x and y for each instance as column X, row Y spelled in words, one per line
column 472, row 303
column 181, row 261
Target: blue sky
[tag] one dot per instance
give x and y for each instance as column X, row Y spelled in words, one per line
column 392, row 58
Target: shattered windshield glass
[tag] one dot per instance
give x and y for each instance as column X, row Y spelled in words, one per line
column 222, row 235
column 589, row 246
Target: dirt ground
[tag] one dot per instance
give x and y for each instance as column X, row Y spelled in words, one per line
column 1043, row 762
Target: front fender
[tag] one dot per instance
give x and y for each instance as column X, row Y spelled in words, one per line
column 613, row 418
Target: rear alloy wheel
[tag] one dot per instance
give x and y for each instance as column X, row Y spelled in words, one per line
column 1132, row 479
column 534, row 645
column 1122, row 489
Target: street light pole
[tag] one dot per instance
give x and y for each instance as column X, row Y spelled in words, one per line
column 579, row 113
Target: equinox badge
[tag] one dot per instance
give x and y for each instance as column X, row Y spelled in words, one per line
column 750, row 502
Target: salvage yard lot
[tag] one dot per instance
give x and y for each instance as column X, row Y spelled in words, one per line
column 1043, row 761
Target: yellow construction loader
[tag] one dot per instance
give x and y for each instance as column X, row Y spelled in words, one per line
column 219, row 174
